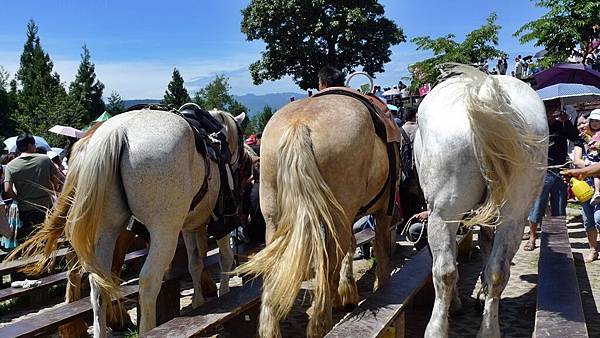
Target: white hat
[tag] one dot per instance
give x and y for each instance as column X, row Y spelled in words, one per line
column 595, row 115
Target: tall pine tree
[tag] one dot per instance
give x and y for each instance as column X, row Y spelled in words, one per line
column 7, row 105
column 42, row 101
column 35, row 73
column 115, row 104
column 86, row 89
column 176, row 95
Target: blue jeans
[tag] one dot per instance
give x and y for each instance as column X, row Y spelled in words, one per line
column 555, row 190
column 590, row 213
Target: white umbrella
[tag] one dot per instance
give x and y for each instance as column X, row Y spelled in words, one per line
column 67, row 131
column 569, row 93
column 391, row 92
column 11, row 143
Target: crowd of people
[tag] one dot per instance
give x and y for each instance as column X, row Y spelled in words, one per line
column 576, row 146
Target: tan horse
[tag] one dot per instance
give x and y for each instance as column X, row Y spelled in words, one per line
column 321, row 161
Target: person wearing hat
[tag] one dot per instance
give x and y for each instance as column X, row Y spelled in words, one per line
column 592, row 137
column 583, row 156
column 30, row 179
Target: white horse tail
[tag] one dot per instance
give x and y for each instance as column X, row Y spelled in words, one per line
column 94, row 168
column 305, row 227
column 503, row 142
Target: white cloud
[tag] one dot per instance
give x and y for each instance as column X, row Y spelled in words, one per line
column 149, row 79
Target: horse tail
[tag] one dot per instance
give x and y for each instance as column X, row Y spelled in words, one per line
column 94, row 169
column 305, row 226
column 503, row 142
column 44, row 242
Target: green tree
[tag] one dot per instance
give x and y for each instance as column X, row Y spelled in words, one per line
column 262, row 118
column 42, row 101
column 301, row 36
column 216, row 95
column 35, row 73
column 478, row 46
column 7, row 105
column 176, row 95
column 568, row 25
column 86, row 89
column 115, row 104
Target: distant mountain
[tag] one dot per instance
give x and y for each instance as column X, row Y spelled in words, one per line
column 255, row 103
column 129, row 103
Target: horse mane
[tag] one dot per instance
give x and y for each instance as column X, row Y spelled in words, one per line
column 503, row 141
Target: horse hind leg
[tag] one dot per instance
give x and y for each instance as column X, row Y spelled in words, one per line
column 347, row 290
column 163, row 242
column 104, row 254
column 382, row 249
column 195, row 264
column 497, row 272
column 76, row 328
column 442, row 241
column 226, row 262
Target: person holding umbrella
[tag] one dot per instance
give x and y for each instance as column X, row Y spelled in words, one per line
column 30, row 179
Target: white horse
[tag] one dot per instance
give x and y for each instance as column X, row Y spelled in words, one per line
column 144, row 163
column 481, row 138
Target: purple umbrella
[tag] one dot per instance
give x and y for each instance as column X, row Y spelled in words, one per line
column 568, row 73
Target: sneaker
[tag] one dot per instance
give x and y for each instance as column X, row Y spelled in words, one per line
column 595, row 199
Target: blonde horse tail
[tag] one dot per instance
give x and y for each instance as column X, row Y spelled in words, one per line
column 95, row 168
column 503, row 142
column 305, row 223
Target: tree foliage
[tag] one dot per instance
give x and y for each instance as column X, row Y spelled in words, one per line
column 216, row 95
column 258, row 122
column 301, row 36
column 38, row 99
column 35, row 76
column 86, row 89
column 478, row 46
column 568, row 25
column 8, row 102
column 176, row 95
column 115, row 104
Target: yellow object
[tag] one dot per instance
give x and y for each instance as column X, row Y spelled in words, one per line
column 581, row 189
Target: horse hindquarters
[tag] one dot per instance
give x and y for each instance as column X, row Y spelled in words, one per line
column 307, row 211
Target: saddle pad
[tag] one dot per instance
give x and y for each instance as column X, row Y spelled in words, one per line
column 383, row 121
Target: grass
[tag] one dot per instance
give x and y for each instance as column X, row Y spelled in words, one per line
column 132, row 333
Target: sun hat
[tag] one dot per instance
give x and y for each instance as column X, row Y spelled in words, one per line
column 595, row 115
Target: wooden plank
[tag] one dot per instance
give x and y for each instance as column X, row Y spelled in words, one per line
column 559, row 309
column 13, row 266
column 57, row 279
column 48, row 281
column 212, row 314
column 382, row 314
column 381, row 309
column 51, row 319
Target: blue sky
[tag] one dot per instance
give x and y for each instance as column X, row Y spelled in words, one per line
column 135, row 44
